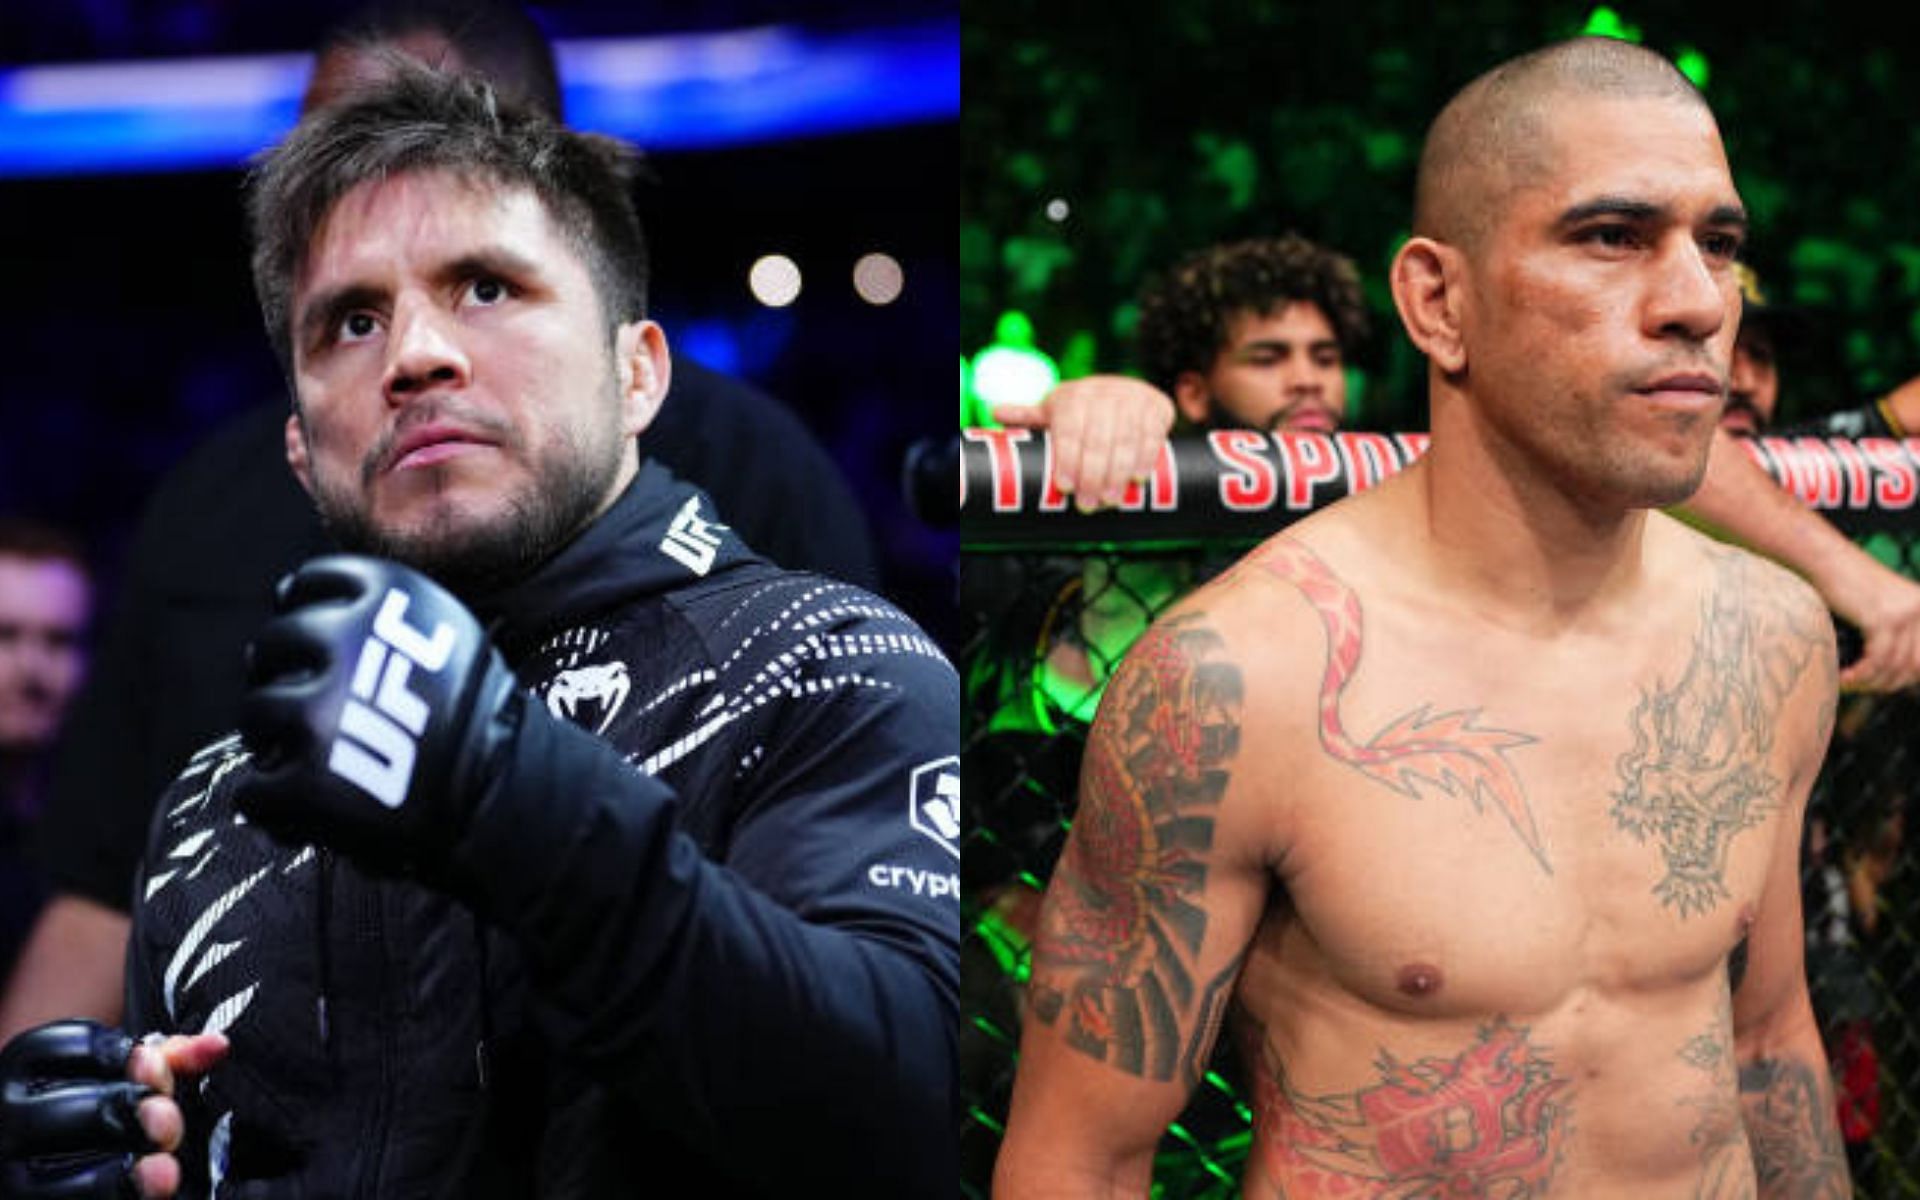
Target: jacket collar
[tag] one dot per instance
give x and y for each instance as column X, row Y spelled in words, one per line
column 660, row 536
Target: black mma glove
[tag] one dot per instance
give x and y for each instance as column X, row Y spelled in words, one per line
column 68, row 1127
column 373, row 707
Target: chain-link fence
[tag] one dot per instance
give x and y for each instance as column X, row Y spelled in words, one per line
column 1050, row 598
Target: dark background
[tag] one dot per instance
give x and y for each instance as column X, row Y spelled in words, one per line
column 128, row 327
column 1167, row 127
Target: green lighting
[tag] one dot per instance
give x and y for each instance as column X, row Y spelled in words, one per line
column 1200, row 1152
column 1082, row 355
column 1012, row 371
column 991, row 1030
column 1010, row 947
column 1604, row 22
column 1693, row 65
column 1052, row 688
column 974, row 413
column 1014, row 328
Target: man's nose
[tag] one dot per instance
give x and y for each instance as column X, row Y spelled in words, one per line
column 1301, row 377
column 424, row 351
column 1686, row 298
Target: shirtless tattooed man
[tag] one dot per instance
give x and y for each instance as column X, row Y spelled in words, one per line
column 1472, row 803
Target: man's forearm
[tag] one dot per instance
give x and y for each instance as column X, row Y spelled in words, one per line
column 725, row 1012
column 1787, row 1104
column 1739, row 501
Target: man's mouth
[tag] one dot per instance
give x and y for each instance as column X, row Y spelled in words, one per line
column 1689, row 390
column 1306, row 420
column 426, row 445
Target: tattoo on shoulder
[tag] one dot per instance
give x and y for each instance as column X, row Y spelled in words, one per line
column 1123, row 926
column 1697, row 774
column 1491, row 1121
column 1446, row 751
column 1791, row 1124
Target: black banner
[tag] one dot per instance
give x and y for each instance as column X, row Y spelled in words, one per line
column 1241, row 485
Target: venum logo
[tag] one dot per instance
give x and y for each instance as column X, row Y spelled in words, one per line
column 691, row 541
column 933, row 802
column 606, row 684
column 383, row 720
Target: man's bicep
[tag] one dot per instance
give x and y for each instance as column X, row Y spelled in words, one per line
column 1152, row 903
column 1768, row 971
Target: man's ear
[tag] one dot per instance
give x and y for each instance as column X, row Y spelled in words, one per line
column 646, row 372
column 1428, row 288
column 297, row 452
column 1193, row 398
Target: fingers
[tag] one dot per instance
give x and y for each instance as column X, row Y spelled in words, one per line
column 1082, row 440
column 334, row 577
column 196, row 1054
column 161, row 1121
column 1152, row 418
column 1021, row 416
column 157, row 1176
column 161, row 1066
column 1880, row 669
column 1106, row 432
column 182, row 1056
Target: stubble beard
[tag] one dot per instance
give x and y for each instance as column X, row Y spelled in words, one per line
column 473, row 557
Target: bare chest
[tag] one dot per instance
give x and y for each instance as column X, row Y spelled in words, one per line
column 1484, row 833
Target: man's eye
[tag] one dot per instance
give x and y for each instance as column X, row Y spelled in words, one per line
column 487, row 291
column 1613, row 237
column 1722, row 245
column 356, row 326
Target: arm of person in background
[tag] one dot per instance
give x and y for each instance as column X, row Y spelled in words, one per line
column 1106, row 431
column 1738, row 500
column 70, row 966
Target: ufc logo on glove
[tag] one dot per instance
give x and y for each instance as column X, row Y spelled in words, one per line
column 383, row 719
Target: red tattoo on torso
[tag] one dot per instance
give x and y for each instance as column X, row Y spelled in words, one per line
column 1490, row 1123
column 1447, row 750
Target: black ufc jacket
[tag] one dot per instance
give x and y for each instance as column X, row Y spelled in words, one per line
column 727, row 953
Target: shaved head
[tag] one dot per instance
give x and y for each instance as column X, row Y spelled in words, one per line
column 1493, row 137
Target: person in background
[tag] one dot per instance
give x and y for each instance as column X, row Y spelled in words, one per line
column 1753, row 386
column 46, row 610
column 1252, row 334
column 230, row 519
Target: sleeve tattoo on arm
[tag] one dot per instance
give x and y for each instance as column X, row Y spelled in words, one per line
column 1789, row 1113
column 1122, row 929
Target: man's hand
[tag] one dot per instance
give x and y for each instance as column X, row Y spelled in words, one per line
column 373, row 706
column 1885, row 607
column 1106, row 431
column 86, row 1112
